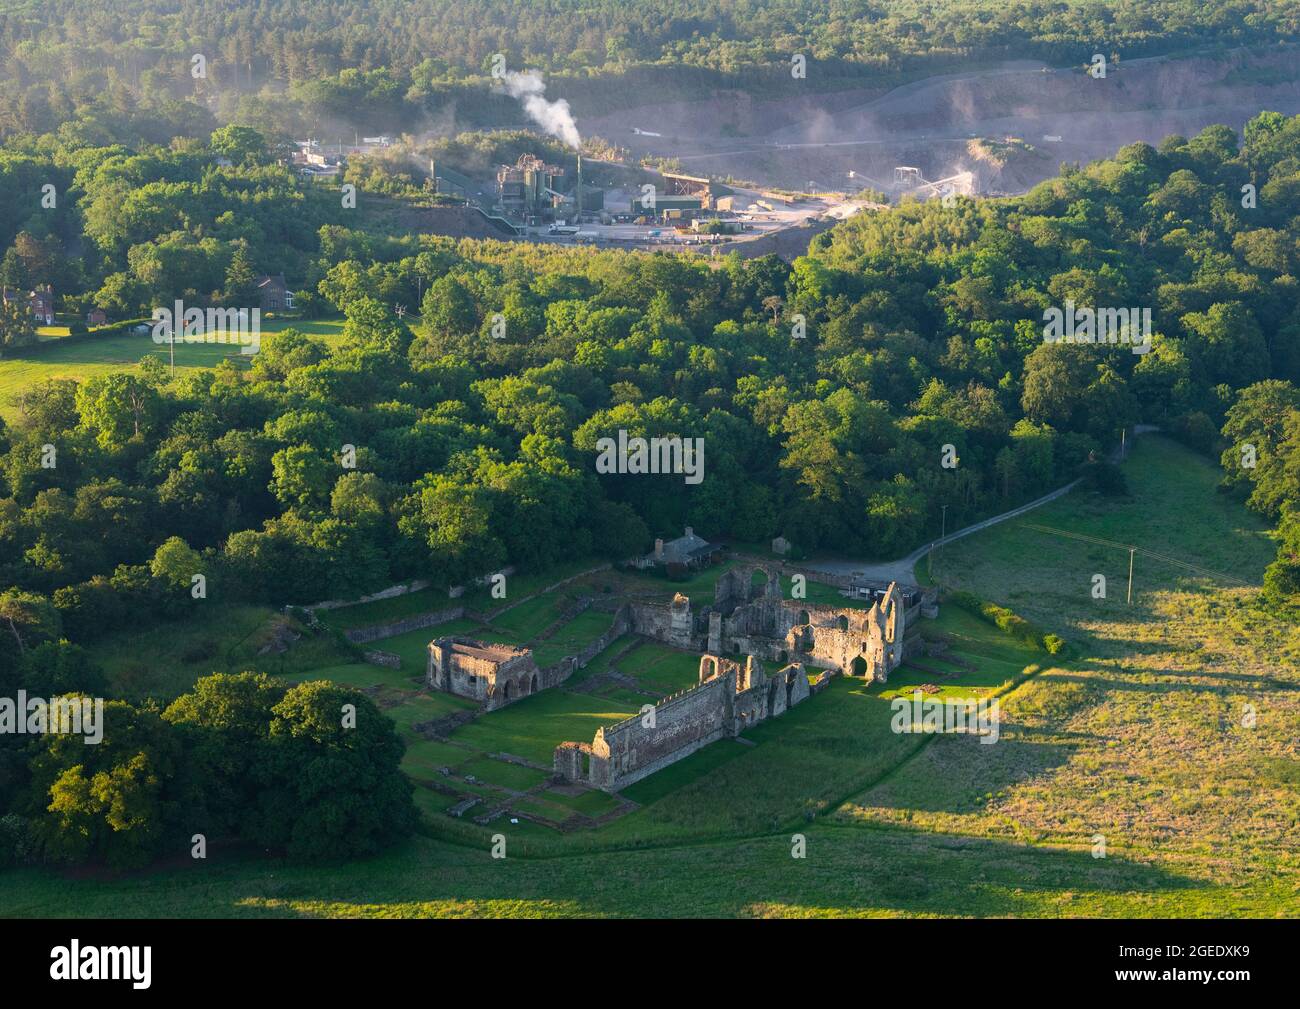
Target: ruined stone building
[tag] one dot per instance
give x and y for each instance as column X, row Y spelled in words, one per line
column 753, row 619
column 492, row 674
column 748, row 619
column 729, row 698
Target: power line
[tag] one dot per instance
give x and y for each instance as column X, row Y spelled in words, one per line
column 1154, row 555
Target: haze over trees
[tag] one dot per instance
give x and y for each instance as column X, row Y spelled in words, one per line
column 472, row 449
column 123, row 72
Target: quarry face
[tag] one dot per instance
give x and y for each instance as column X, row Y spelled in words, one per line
column 1011, row 125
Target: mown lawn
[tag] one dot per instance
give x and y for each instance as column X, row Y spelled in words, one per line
column 22, row 368
column 534, row 726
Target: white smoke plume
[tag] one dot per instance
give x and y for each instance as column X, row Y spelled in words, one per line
column 554, row 117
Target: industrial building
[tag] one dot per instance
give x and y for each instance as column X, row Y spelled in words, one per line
column 706, row 190
column 527, row 189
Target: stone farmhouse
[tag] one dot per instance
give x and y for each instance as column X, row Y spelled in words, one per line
column 689, row 552
column 273, row 293
column 40, row 302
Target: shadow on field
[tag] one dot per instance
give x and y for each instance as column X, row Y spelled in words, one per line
column 958, row 773
column 1173, row 680
column 850, row 870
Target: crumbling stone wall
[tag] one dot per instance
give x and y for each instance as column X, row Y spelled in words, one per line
column 674, row 624
column 730, row 697
column 377, row 657
column 361, row 635
column 753, row 619
column 572, row 761
column 554, row 675
column 493, row 674
column 630, row 750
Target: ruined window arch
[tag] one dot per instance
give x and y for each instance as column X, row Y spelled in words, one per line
column 859, row 666
column 843, row 622
column 783, row 657
column 533, row 687
column 505, row 691
column 803, row 616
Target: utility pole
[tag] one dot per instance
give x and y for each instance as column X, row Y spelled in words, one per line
column 171, row 346
column 943, row 532
column 1123, row 443
column 1131, row 551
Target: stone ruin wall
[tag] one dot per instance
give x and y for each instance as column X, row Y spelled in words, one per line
column 480, row 678
column 729, row 699
column 625, row 753
column 363, row 635
column 554, row 675
column 756, row 620
column 674, row 624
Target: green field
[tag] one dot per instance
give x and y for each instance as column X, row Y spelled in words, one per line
column 1117, row 741
column 58, row 357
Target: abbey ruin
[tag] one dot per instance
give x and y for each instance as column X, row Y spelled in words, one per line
column 752, row 620
column 729, row 699
column 746, row 618
column 492, row 674
column 747, row 628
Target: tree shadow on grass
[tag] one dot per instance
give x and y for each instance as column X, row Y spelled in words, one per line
column 1173, row 680
column 845, row 871
column 956, row 773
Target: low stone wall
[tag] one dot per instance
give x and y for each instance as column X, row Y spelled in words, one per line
column 389, row 593
column 728, row 699
column 386, row 659
column 362, row 635
column 562, row 670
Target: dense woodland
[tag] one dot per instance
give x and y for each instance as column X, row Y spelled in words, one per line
column 924, row 330
column 104, row 73
column 473, row 450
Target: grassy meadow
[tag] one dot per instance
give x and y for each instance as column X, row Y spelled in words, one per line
column 56, row 356
column 1137, row 737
